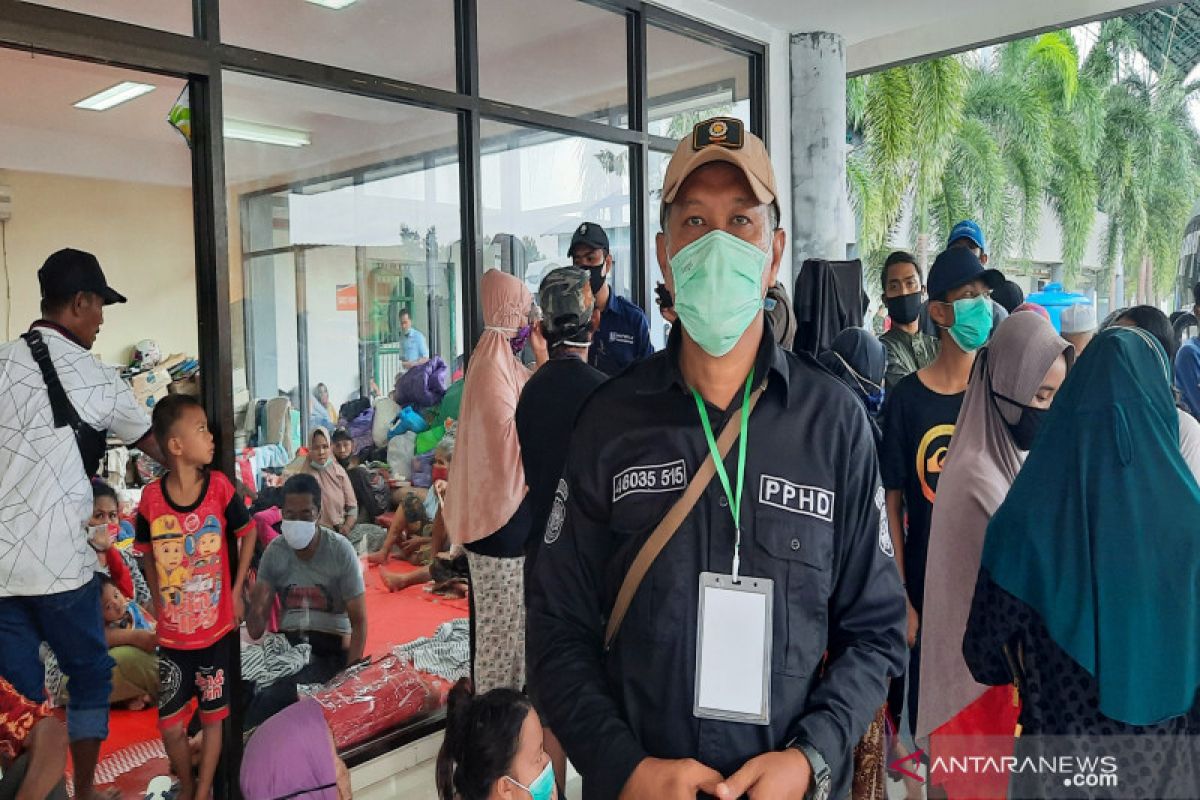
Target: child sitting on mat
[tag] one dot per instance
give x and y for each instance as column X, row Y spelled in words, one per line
column 129, row 632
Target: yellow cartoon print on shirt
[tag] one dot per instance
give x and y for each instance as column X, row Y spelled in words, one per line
column 167, row 539
column 204, row 589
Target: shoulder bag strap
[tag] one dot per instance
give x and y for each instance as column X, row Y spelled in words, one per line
column 671, row 522
column 65, row 414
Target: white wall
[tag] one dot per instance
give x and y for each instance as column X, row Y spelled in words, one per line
column 142, row 235
column 779, row 104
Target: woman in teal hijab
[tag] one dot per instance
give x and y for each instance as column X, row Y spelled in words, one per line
column 1089, row 590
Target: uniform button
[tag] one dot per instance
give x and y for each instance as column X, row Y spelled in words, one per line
column 795, row 544
column 723, row 503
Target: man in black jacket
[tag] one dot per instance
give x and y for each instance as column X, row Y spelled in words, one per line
column 809, row 498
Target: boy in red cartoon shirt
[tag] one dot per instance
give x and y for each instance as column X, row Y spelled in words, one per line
column 181, row 527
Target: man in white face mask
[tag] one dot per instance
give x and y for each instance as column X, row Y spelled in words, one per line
column 317, row 577
column 763, row 680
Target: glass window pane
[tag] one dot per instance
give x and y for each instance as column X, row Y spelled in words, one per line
column 344, row 213
column 688, row 81
column 361, row 215
column 538, row 188
column 115, row 183
column 364, row 36
column 571, row 62
column 656, row 170
column 168, row 15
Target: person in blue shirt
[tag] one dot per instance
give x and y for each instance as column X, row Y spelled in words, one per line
column 623, row 335
column 414, row 350
column 1187, row 365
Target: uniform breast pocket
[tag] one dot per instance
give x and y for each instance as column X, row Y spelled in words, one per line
column 659, row 607
column 798, row 556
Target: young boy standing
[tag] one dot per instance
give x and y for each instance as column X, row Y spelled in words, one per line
column 918, row 423
column 182, row 526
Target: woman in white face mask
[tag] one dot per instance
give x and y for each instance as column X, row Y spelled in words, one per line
column 316, row 575
column 339, row 507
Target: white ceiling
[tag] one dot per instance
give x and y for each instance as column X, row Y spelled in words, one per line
column 882, row 32
column 551, row 66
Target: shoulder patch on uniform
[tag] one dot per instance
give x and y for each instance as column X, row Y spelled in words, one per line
column 651, row 478
column 558, row 513
column 885, row 531
column 811, row 501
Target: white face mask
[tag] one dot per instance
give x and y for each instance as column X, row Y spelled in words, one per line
column 298, row 533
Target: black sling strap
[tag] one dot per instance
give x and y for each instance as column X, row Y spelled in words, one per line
column 89, row 441
column 64, row 412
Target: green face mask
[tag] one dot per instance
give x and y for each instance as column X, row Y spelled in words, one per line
column 972, row 323
column 718, row 289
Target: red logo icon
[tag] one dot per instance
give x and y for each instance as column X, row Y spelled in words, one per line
column 915, row 757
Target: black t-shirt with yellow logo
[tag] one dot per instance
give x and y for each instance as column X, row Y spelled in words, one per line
column 917, row 426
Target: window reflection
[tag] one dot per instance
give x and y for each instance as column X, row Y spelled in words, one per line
column 571, row 61
column 347, row 246
column 539, row 187
column 114, row 182
column 688, row 81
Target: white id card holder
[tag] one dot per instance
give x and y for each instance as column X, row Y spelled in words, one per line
column 733, row 649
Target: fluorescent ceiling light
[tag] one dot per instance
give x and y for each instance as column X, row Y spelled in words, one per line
column 121, row 93
column 334, row 4
column 265, row 134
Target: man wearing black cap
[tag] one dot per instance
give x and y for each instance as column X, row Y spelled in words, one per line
column 624, row 333
column 48, row 451
column 918, row 421
column 549, row 404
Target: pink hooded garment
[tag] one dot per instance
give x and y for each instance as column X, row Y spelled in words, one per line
column 487, row 480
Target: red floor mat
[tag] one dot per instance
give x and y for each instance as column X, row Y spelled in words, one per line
column 132, row 755
column 397, row 617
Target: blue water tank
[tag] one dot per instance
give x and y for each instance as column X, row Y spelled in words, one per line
column 1054, row 299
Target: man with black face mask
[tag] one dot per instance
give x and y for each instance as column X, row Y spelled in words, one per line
column 904, row 294
column 623, row 336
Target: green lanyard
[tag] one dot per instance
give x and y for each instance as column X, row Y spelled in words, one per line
column 735, row 500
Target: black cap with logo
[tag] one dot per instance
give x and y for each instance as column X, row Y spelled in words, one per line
column 590, row 234
column 70, row 271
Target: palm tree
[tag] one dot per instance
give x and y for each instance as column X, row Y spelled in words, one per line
column 959, row 138
column 995, row 134
column 1148, row 167
column 903, row 121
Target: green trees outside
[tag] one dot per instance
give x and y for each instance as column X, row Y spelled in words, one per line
column 992, row 134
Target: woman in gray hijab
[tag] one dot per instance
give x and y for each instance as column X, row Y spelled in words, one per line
column 1013, row 382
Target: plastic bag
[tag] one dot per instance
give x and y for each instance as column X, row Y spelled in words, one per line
column 429, row 440
column 371, row 699
column 360, row 430
column 424, row 385
column 451, row 404
column 408, row 420
column 385, row 411
column 400, row 455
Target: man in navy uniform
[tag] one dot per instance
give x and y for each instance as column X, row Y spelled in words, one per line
column 624, row 333
column 799, row 509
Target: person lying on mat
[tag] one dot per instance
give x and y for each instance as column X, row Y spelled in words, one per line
column 317, row 577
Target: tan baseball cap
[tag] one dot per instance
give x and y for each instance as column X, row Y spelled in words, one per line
column 721, row 139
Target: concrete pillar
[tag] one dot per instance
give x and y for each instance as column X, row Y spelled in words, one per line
column 819, row 202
